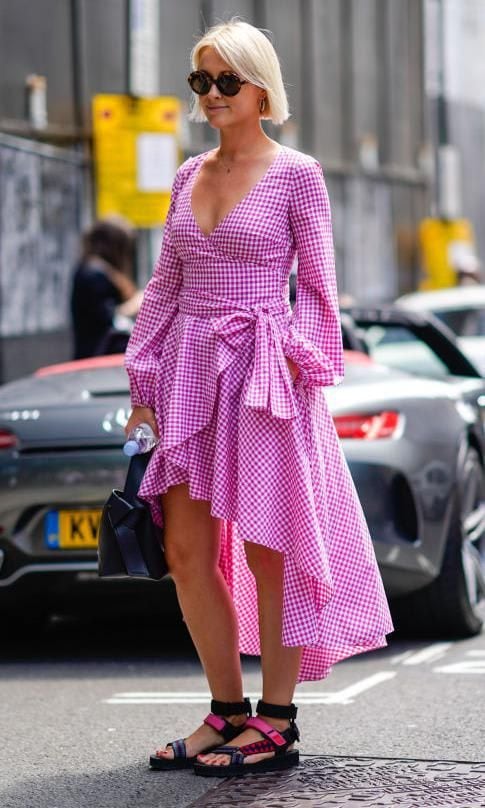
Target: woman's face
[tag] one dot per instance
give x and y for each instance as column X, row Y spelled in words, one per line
column 221, row 110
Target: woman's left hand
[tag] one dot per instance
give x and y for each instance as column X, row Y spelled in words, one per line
column 293, row 368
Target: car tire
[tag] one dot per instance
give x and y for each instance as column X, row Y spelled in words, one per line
column 448, row 607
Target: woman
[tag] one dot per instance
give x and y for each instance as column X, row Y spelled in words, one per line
column 262, row 524
column 102, row 285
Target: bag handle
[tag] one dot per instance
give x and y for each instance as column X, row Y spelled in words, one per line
column 136, row 471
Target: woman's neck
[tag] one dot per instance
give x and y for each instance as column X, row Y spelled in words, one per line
column 243, row 142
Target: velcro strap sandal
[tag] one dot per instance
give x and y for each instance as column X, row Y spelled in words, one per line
column 273, row 740
column 217, row 720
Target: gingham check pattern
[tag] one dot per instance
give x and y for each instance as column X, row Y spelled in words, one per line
column 208, row 355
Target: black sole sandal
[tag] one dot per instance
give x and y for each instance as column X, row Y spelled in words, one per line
column 273, row 741
column 216, row 720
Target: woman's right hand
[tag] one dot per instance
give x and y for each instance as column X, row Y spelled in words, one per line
column 142, row 415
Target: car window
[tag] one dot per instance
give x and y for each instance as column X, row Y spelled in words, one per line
column 466, row 322
column 397, row 347
column 474, row 350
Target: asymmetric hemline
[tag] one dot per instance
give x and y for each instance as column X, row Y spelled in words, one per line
column 209, row 354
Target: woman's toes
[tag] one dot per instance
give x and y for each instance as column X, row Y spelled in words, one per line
column 213, row 760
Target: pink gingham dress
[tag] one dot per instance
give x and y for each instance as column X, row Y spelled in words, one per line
column 208, row 355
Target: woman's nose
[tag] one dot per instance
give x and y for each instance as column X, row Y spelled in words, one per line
column 214, row 91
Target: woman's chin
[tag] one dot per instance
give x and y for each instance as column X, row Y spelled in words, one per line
column 219, row 121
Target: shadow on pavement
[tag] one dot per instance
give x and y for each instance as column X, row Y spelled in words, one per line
column 125, row 630
column 132, row 786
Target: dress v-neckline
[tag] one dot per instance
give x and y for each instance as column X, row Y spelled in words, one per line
column 238, row 204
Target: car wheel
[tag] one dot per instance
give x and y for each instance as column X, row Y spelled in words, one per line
column 449, row 606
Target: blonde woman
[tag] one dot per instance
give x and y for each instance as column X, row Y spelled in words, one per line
column 264, row 535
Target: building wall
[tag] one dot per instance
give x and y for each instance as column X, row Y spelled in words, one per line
column 463, row 87
column 41, row 197
column 354, row 76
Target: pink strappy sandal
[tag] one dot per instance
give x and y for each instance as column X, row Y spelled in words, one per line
column 273, row 741
column 217, row 720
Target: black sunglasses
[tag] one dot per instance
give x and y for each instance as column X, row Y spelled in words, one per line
column 226, row 82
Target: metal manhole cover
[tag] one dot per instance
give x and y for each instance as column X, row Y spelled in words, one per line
column 353, row 782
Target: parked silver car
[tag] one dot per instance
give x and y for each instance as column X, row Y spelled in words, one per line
column 460, row 308
column 413, row 446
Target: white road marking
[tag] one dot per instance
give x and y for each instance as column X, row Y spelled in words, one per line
column 396, row 660
column 344, row 696
column 431, row 653
column 476, row 666
column 347, row 695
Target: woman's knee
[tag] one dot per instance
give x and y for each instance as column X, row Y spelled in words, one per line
column 178, row 557
column 190, row 537
column 190, row 555
column 263, row 562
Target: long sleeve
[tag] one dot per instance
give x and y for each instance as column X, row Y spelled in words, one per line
column 314, row 339
column 156, row 314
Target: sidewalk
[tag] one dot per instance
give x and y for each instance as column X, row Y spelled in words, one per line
column 356, row 782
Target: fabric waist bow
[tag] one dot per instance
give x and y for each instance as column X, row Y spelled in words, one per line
column 270, row 386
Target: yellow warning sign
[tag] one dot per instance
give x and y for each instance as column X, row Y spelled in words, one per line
column 136, row 154
column 442, row 242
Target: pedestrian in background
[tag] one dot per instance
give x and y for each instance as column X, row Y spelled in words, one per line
column 262, row 523
column 102, row 285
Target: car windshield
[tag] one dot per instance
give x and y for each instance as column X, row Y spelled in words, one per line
column 397, row 347
column 474, row 349
column 465, row 322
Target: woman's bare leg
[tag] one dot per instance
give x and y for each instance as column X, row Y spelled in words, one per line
column 280, row 664
column 192, row 539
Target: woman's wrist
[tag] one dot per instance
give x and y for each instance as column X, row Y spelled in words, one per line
column 292, row 367
column 142, row 414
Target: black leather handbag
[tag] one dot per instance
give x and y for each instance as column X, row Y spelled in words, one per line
column 129, row 543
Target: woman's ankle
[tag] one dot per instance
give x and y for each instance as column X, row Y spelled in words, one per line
column 277, row 723
column 237, row 720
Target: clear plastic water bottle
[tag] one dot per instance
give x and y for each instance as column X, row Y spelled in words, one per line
column 140, row 440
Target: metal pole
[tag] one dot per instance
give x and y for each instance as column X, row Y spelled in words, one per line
column 259, row 13
column 441, row 110
column 307, row 87
column 346, row 68
column 384, row 83
column 128, row 10
column 77, row 64
column 206, row 13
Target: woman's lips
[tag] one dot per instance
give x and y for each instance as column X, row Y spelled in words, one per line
column 215, row 109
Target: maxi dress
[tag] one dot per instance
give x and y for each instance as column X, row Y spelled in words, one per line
column 208, row 355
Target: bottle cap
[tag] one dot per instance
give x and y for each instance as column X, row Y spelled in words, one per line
column 131, row 448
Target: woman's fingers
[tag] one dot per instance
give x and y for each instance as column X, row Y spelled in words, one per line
column 142, row 415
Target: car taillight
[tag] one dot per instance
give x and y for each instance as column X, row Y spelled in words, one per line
column 7, row 440
column 368, row 426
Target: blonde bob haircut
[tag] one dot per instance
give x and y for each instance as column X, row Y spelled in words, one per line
column 252, row 56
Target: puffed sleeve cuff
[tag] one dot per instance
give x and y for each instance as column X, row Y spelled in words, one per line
column 316, row 369
column 142, row 386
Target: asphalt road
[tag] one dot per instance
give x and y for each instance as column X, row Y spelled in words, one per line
column 83, row 704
